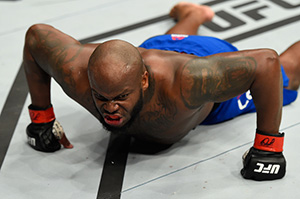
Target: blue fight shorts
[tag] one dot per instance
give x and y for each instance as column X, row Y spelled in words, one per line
column 204, row 46
column 189, row 44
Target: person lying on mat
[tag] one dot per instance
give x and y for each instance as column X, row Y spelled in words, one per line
column 160, row 91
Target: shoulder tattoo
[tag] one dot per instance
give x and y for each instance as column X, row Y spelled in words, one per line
column 215, row 79
column 59, row 55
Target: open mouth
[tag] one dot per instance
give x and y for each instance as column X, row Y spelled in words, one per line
column 113, row 120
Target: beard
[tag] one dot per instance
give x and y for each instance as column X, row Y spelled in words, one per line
column 134, row 114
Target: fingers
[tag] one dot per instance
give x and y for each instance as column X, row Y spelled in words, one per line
column 65, row 142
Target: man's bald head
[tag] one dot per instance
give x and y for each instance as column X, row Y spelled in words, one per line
column 118, row 80
column 115, row 60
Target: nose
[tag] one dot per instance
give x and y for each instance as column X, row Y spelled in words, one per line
column 111, row 107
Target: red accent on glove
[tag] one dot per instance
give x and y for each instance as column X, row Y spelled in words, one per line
column 270, row 143
column 42, row 116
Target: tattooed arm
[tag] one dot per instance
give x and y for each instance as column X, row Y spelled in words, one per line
column 220, row 77
column 49, row 53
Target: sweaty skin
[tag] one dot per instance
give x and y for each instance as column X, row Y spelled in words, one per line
column 179, row 89
column 154, row 95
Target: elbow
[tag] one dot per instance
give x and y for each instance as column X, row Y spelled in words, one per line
column 270, row 62
column 269, row 67
column 271, row 58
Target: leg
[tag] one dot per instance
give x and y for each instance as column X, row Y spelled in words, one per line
column 189, row 17
column 290, row 59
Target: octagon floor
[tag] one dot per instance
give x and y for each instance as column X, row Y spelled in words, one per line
column 205, row 164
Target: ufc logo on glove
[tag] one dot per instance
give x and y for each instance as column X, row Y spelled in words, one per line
column 270, row 169
column 265, row 161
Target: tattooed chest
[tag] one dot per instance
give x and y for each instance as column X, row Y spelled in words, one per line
column 159, row 116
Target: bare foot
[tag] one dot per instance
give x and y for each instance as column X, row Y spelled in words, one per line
column 186, row 9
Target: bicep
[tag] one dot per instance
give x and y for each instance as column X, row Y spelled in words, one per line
column 50, row 46
column 216, row 78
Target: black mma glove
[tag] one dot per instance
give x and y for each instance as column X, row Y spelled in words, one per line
column 265, row 161
column 45, row 133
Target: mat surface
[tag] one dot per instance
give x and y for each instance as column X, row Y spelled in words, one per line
column 205, row 164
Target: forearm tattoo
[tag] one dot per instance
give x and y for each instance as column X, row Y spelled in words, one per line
column 215, row 79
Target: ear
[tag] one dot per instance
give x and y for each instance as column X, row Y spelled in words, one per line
column 145, row 80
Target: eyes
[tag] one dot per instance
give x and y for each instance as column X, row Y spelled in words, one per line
column 121, row 97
